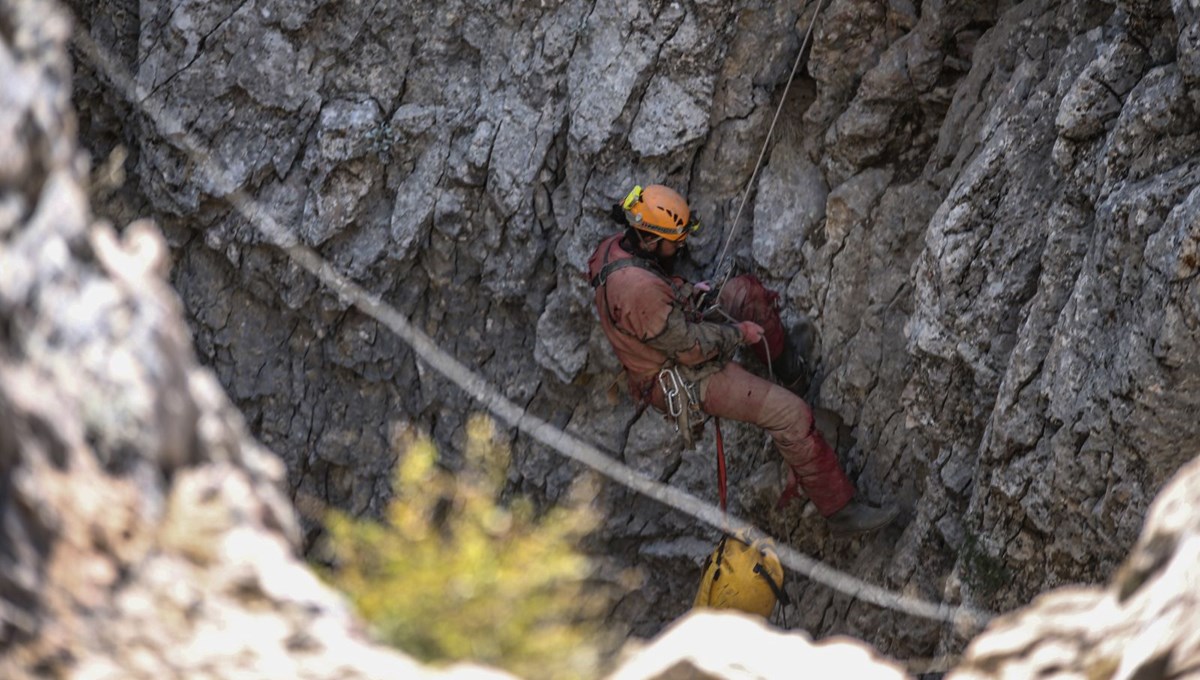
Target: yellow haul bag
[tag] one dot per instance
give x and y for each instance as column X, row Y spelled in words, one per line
column 742, row 576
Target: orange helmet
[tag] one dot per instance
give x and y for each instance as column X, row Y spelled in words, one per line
column 659, row 211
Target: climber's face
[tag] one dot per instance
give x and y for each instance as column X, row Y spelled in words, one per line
column 667, row 249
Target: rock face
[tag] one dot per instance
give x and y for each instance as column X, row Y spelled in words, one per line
column 707, row 644
column 990, row 210
column 143, row 533
column 1146, row 624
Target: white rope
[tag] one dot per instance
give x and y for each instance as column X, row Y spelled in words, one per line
column 763, row 152
column 491, row 398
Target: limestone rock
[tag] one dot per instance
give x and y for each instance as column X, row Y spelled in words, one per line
column 719, row 645
column 1145, row 624
column 145, row 534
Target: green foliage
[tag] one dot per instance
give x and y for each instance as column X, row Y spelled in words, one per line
column 453, row 575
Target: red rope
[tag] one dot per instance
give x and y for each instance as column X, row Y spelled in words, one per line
column 720, row 464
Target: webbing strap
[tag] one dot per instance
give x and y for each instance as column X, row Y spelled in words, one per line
column 610, row 267
column 776, row 588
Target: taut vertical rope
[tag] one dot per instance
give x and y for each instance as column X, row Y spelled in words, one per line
column 721, row 484
column 717, row 273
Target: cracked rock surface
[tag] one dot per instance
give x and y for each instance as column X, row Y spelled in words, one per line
column 1143, row 625
column 143, row 532
column 989, row 210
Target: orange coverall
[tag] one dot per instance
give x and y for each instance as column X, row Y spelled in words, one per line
column 645, row 316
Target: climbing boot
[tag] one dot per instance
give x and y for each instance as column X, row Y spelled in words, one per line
column 793, row 367
column 859, row 518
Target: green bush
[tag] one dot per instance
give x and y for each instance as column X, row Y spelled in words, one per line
column 454, row 575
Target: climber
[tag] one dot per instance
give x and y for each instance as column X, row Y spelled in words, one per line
column 682, row 364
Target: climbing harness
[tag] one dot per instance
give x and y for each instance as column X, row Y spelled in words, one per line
column 723, row 267
column 676, row 393
column 683, row 405
column 611, row 266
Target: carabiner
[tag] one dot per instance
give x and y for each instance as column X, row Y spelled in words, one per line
column 671, row 394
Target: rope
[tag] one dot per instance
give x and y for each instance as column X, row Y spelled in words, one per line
column 490, row 397
column 761, row 154
column 721, row 478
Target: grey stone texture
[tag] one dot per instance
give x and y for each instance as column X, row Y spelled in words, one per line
column 143, row 532
column 989, row 209
column 1142, row 625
